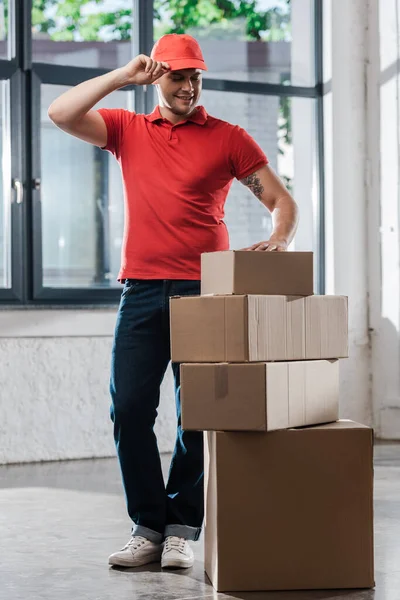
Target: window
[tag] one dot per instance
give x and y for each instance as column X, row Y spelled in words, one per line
column 269, row 41
column 265, row 74
column 5, row 191
column 81, row 204
column 83, row 34
column 285, row 130
column 61, row 200
column 6, row 18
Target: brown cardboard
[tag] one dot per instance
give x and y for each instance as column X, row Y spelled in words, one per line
column 320, row 339
column 258, row 328
column 259, row 396
column 243, row 272
column 290, row 509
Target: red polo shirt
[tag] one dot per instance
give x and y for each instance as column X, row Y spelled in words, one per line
column 176, row 179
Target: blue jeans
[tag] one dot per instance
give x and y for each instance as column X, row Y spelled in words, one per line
column 140, row 356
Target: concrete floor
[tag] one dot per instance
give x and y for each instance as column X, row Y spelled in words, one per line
column 60, row 521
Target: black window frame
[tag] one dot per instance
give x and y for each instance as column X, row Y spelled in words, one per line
column 26, row 78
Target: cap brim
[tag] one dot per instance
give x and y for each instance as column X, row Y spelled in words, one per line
column 177, row 64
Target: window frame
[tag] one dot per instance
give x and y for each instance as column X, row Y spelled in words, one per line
column 26, row 77
column 11, row 70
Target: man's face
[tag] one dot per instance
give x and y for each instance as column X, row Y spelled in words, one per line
column 180, row 90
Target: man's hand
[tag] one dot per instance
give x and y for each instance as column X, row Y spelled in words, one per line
column 271, row 245
column 143, row 70
column 73, row 111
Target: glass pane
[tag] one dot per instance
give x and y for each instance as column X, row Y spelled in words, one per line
column 4, row 28
column 5, row 190
column 285, row 130
column 82, row 33
column 270, row 41
column 82, row 204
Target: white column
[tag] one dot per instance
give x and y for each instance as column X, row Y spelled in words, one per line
column 346, row 210
column 383, row 213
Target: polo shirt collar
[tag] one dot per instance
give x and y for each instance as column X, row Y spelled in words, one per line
column 198, row 116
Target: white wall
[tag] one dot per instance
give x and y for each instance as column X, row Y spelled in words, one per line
column 54, row 372
column 362, row 114
column 383, row 212
column 346, row 206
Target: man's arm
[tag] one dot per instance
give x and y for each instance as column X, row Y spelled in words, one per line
column 269, row 189
column 72, row 111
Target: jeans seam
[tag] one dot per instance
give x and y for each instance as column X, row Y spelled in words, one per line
column 165, row 306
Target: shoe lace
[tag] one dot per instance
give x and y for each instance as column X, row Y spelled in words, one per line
column 175, row 543
column 135, row 542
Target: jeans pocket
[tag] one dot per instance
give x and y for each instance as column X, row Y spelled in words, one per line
column 129, row 287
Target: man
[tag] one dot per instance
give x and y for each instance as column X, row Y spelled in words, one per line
column 177, row 164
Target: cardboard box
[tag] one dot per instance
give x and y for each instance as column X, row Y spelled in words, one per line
column 241, row 272
column 290, row 509
column 258, row 328
column 259, row 396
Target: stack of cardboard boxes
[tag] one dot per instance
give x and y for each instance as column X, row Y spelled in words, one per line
column 288, row 486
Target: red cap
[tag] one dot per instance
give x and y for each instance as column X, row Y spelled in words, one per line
column 180, row 51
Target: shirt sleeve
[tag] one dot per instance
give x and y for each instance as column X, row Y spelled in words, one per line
column 117, row 120
column 246, row 156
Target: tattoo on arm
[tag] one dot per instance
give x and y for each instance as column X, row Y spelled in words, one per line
column 254, row 184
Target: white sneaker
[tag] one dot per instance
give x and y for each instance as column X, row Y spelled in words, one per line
column 177, row 553
column 137, row 552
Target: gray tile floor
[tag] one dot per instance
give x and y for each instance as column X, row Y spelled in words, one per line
column 59, row 522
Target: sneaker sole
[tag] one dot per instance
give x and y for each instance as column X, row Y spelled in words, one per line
column 176, row 564
column 140, row 562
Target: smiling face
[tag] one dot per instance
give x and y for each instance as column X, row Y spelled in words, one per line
column 179, row 91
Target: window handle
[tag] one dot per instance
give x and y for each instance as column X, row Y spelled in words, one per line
column 19, row 189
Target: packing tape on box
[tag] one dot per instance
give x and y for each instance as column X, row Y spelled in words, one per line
column 221, row 380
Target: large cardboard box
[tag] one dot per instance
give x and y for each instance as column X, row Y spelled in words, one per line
column 290, row 509
column 258, row 328
column 242, row 272
column 259, row 396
